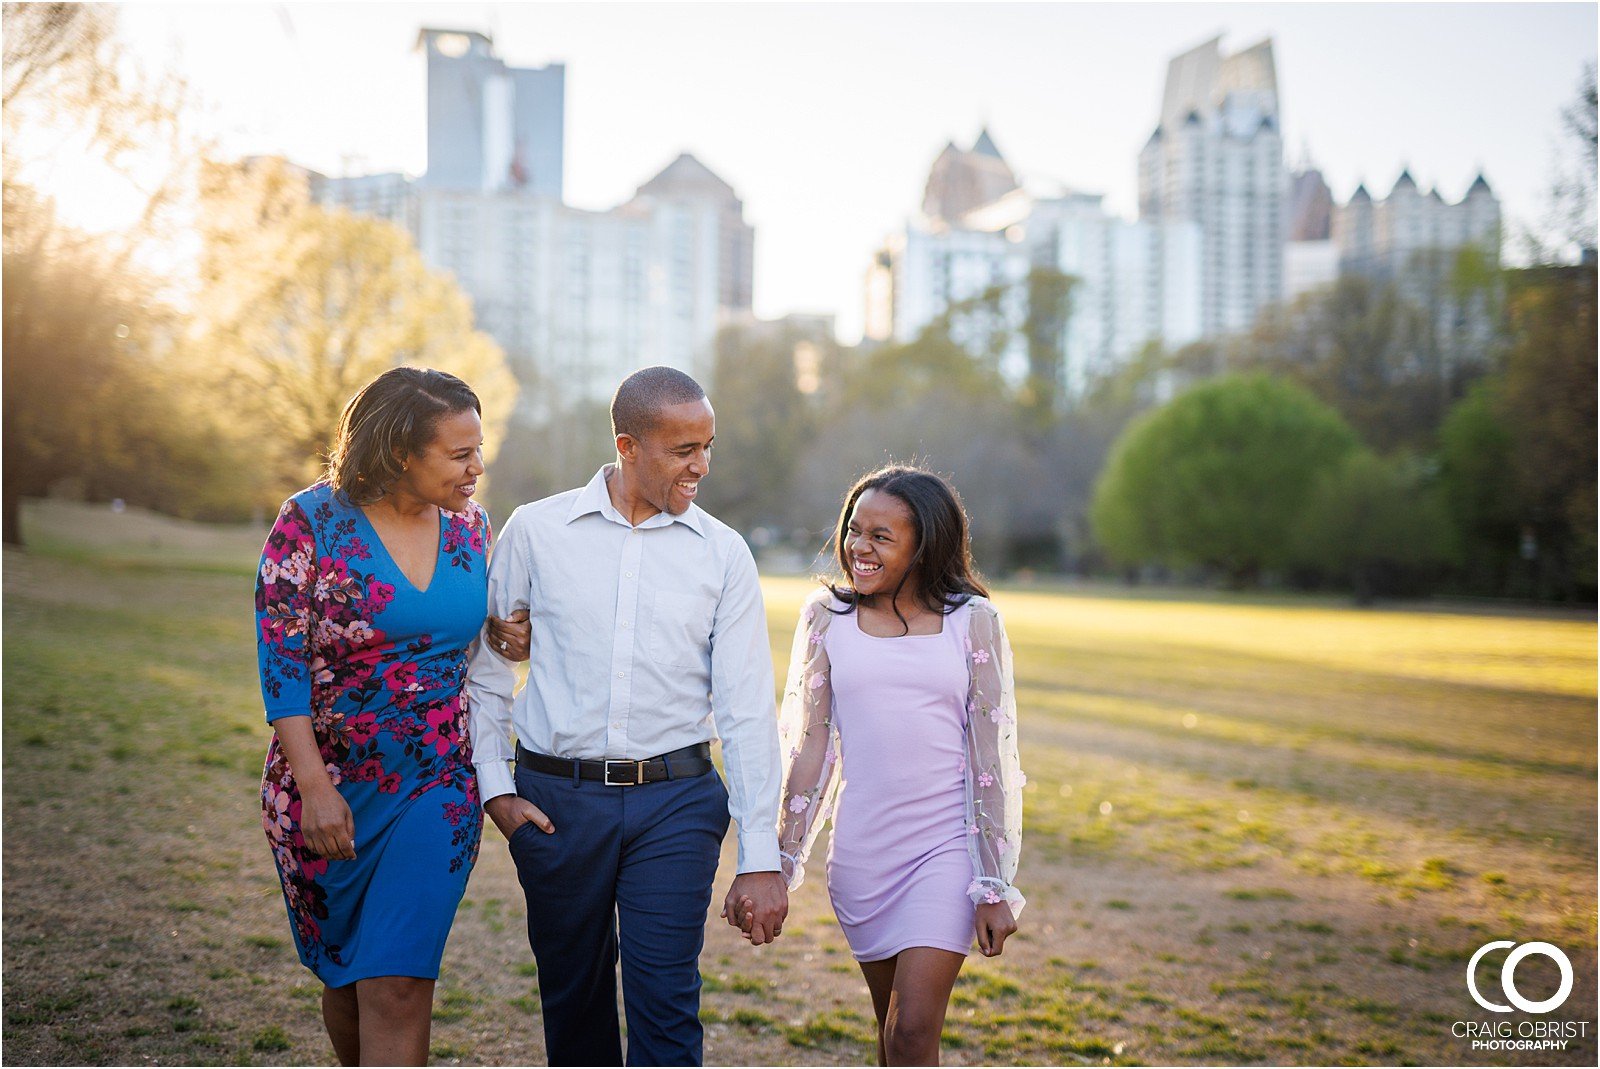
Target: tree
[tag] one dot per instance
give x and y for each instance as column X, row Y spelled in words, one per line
column 1218, row 477
column 301, row 305
column 1571, row 213
column 1478, row 487
column 764, row 419
column 1364, row 349
column 1045, row 330
column 84, row 329
column 1374, row 524
column 1548, row 404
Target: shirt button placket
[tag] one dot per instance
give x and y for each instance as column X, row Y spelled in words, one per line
column 622, row 644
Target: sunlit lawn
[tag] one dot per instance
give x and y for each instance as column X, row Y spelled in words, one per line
column 1268, row 832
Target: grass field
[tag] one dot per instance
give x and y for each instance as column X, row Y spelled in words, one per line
column 1263, row 831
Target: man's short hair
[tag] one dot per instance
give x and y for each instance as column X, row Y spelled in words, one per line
column 645, row 393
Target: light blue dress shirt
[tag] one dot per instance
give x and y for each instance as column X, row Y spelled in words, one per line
column 645, row 640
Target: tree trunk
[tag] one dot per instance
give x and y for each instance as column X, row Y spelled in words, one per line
column 11, row 517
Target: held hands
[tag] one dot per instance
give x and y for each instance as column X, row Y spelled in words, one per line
column 326, row 824
column 511, row 637
column 509, row 812
column 993, row 923
column 757, row 904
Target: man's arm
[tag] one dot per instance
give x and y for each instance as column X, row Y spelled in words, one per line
column 747, row 723
column 491, row 679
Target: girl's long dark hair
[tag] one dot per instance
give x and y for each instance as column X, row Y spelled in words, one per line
column 943, row 557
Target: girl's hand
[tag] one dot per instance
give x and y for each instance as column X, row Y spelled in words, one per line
column 326, row 823
column 993, row 923
column 512, row 636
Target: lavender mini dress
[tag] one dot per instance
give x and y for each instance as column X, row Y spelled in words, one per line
column 898, row 864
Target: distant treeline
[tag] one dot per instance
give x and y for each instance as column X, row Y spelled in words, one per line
column 1357, row 439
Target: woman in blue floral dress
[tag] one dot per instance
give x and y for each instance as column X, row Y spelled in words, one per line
column 372, row 589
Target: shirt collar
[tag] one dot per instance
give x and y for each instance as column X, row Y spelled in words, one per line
column 596, row 498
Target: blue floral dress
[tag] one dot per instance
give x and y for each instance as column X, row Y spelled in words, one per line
column 379, row 666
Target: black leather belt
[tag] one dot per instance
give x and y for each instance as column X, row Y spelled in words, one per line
column 686, row 763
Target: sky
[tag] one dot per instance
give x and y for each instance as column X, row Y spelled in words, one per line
column 826, row 117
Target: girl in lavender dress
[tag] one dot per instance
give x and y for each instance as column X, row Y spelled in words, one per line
column 899, row 721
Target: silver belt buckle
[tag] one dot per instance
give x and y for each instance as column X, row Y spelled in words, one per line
column 635, row 773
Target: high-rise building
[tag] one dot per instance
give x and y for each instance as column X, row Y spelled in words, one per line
column 1382, row 239
column 491, row 127
column 577, row 299
column 1132, row 283
column 1216, row 159
column 1413, row 241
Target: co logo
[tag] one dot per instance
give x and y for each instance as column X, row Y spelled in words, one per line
column 1508, row 976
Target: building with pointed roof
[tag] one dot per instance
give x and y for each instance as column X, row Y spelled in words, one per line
column 981, row 232
column 1310, row 258
column 1383, row 238
column 962, row 181
column 1216, row 159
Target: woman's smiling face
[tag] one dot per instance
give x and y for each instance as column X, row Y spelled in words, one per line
column 445, row 472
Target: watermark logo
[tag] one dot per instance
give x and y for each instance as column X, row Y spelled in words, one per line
column 1508, row 981
column 1529, row 1034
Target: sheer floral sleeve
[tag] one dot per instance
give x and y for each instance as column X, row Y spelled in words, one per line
column 809, row 740
column 994, row 772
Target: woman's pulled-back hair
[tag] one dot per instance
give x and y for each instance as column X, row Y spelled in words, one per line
column 943, row 557
column 392, row 417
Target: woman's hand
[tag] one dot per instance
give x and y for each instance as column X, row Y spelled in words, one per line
column 326, row 823
column 993, row 923
column 511, row 637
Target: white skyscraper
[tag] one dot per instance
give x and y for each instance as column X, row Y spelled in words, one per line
column 577, row 299
column 1216, row 159
column 491, row 127
column 1132, row 282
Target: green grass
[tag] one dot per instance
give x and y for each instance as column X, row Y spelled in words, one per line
column 1297, row 821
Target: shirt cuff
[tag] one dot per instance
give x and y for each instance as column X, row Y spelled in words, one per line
column 758, row 851
column 494, row 779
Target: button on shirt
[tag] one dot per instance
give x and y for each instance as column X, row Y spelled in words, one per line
column 645, row 640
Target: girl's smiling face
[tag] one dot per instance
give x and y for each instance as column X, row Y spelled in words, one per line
column 880, row 544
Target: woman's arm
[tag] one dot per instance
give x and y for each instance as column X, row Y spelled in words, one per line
column 285, row 623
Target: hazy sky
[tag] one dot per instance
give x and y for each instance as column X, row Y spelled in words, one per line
column 826, row 117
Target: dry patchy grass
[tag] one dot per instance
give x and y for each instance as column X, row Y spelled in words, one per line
column 1255, row 833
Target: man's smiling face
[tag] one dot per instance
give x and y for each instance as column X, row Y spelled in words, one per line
column 672, row 457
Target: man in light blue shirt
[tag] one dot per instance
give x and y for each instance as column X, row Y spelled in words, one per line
column 649, row 638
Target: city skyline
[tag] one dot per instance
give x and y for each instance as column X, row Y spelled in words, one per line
column 829, row 136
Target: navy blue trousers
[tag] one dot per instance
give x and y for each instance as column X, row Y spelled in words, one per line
column 629, row 870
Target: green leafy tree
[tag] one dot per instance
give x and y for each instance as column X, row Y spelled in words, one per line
column 1479, row 488
column 1548, row 404
column 1218, row 477
column 1375, row 525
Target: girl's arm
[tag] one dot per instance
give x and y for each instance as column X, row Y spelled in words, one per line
column 808, row 740
column 994, row 773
